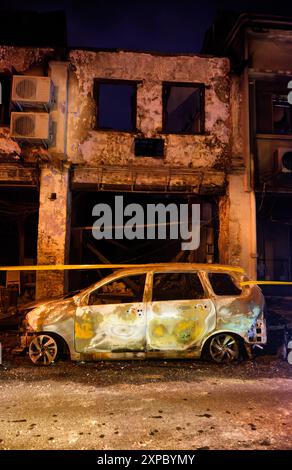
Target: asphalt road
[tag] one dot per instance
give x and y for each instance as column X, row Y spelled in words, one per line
column 146, row 405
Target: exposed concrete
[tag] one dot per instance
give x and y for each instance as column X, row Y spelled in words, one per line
column 8, row 147
column 53, row 229
column 14, row 174
column 237, row 239
column 20, row 59
column 150, row 178
column 59, row 76
column 237, row 125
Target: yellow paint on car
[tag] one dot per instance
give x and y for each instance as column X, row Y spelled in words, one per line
column 159, row 331
column 83, row 331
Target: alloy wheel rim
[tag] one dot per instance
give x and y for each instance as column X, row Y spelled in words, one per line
column 43, row 350
column 223, row 348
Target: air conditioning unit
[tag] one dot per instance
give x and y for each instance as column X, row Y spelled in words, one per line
column 32, row 91
column 30, row 126
column 283, row 160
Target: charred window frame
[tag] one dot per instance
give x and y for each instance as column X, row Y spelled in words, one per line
column 105, row 91
column 273, row 112
column 224, row 284
column 189, row 117
column 169, row 286
column 5, row 94
column 123, row 290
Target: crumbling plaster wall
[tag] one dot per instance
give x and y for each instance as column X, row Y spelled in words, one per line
column 237, row 113
column 237, row 226
column 89, row 146
column 53, row 233
column 20, row 59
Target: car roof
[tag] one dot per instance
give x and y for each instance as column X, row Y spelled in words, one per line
column 161, row 267
column 180, row 266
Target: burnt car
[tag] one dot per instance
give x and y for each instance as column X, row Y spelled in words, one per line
column 158, row 311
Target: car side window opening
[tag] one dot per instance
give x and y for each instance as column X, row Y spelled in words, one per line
column 177, row 286
column 124, row 290
column 223, row 284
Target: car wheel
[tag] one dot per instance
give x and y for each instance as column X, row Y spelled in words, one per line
column 43, row 350
column 223, row 348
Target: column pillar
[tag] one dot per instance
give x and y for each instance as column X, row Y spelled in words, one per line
column 53, row 229
column 237, row 226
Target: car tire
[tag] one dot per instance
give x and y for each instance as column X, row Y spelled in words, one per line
column 43, row 349
column 223, row 348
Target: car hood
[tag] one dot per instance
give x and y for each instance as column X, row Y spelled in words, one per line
column 38, row 303
column 48, row 313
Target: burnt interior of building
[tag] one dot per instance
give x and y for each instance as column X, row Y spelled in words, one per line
column 18, row 238
column 85, row 249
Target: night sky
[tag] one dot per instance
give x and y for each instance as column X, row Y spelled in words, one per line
column 161, row 25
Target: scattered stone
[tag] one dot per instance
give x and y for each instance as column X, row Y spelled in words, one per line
column 265, row 442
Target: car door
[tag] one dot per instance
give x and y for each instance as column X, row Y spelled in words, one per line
column 180, row 313
column 113, row 318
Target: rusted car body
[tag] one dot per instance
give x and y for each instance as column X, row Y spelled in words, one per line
column 162, row 311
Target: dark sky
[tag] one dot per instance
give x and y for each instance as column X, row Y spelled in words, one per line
column 161, row 25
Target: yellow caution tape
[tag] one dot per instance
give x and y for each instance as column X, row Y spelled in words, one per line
column 247, row 283
column 61, row 267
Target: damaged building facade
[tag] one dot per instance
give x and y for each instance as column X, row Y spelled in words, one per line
column 154, row 128
column 260, row 48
